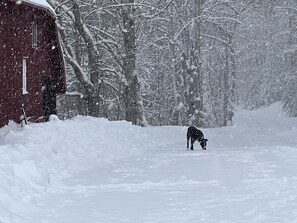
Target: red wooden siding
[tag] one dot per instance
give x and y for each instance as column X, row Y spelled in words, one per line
column 16, row 23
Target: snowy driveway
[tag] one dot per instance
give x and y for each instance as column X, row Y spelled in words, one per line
column 170, row 184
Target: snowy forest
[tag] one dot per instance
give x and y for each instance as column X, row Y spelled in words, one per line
column 171, row 62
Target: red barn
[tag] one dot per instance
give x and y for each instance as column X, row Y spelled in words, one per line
column 31, row 64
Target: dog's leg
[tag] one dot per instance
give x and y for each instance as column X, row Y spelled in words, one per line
column 188, row 138
column 192, row 143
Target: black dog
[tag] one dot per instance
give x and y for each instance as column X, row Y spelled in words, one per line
column 196, row 134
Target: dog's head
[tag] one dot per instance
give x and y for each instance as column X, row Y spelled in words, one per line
column 203, row 143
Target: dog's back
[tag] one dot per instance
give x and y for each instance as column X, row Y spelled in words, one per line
column 194, row 132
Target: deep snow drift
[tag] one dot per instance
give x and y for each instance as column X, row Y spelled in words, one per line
column 92, row 170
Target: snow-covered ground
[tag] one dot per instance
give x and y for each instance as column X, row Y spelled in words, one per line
column 92, row 170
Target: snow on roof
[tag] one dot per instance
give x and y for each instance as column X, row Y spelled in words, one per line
column 42, row 3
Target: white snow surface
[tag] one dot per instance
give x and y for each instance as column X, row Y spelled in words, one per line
column 93, row 170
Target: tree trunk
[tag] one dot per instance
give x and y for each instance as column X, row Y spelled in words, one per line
column 226, row 89
column 93, row 97
column 131, row 88
column 196, row 94
column 175, row 112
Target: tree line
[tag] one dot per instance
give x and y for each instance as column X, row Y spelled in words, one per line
column 171, row 62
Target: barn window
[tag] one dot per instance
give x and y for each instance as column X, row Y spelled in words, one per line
column 34, row 33
column 25, row 76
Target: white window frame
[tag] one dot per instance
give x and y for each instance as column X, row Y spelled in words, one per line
column 34, row 34
column 24, row 76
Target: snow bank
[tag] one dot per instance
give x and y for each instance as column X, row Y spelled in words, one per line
column 268, row 126
column 39, row 155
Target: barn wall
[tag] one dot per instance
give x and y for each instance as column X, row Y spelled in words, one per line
column 45, row 60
